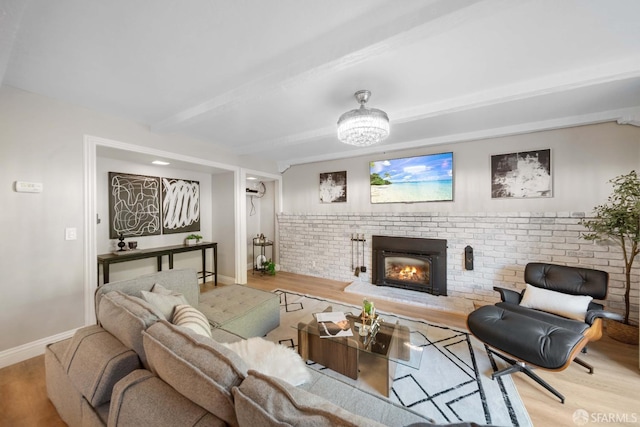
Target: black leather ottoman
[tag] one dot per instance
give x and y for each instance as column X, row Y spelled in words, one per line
column 527, row 339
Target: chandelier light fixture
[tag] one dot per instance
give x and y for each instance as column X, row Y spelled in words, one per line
column 364, row 126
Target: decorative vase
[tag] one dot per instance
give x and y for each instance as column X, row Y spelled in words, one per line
column 622, row 332
column 121, row 244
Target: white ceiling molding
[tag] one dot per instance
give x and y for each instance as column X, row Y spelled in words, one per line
column 631, row 114
column 557, row 83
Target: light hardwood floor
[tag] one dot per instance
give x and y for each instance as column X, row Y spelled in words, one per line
column 610, row 394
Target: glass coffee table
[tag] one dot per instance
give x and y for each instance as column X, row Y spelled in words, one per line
column 371, row 359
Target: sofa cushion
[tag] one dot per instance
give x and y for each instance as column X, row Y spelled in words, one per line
column 189, row 317
column 182, row 281
column 60, row 390
column 126, row 317
column 266, row 401
column 361, row 402
column 196, row 366
column 165, row 300
column 143, row 399
column 570, row 306
column 95, row 360
column 242, row 310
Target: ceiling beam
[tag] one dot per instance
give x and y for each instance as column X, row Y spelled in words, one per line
column 546, row 85
column 370, row 36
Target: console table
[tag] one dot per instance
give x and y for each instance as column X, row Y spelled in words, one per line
column 105, row 260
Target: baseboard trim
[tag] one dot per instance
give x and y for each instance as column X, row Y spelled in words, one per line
column 226, row 280
column 32, row 349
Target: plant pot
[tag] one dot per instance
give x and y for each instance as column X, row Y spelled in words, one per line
column 622, row 332
column 190, row 242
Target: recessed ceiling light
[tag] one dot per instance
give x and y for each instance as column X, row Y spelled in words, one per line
column 252, row 178
column 160, row 162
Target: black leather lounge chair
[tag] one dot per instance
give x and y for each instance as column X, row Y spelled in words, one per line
column 547, row 324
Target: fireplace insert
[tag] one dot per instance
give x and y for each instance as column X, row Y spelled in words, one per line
column 410, row 263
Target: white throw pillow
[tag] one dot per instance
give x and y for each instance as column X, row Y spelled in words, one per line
column 164, row 299
column 570, row 306
column 272, row 359
column 189, row 317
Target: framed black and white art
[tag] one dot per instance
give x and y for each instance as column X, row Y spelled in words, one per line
column 521, row 175
column 333, row 187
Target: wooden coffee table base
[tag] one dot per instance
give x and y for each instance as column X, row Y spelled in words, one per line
column 334, row 353
column 343, row 355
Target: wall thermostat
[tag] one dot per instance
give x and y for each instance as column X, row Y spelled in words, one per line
column 28, row 187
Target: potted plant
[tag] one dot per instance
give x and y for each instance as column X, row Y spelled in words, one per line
column 618, row 221
column 192, row 239
column 269, row 266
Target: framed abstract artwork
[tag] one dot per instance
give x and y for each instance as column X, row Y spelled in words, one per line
column 426, row 178
column 180, row 205
column 134, row 205
column 141, row 205
column 521, row 175
column 333, row 187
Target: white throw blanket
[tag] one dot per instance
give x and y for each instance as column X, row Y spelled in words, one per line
column 272, row 359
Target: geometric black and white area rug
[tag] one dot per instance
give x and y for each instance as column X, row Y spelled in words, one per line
column 454, row 381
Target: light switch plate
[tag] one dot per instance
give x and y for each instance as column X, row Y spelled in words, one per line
column 70, row 233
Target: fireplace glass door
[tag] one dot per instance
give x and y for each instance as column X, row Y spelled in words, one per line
column 413, row 272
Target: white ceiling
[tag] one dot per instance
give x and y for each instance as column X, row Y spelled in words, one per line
column 270, row 77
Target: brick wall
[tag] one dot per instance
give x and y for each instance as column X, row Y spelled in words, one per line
column 503, row 243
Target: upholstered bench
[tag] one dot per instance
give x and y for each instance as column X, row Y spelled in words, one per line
column 241, row 310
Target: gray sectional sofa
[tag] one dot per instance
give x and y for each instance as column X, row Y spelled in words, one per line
column 135, row 368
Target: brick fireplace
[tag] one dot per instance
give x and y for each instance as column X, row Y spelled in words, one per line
column 317, row 244
column 417, row 264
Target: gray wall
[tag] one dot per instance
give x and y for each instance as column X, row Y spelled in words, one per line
column 41, row 140
column 583, row 160
column 223, row 226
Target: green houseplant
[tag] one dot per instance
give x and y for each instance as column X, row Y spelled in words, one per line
column 192, row 239
column 269, row 266
column 618, row 221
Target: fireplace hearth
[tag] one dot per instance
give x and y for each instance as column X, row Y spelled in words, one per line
column 410, row 263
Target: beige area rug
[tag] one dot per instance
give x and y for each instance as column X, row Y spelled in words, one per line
column 405, row 296
column 453, row 382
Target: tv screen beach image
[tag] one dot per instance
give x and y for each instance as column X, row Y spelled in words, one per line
column 412, row 179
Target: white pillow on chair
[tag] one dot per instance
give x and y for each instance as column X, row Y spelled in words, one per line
column 570, row 306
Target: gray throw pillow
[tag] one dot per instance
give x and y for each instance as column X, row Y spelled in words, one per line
column 164, row 300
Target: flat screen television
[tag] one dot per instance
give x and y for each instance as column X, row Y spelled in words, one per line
column 426, row 178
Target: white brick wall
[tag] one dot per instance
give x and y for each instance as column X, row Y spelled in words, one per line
column 503, row 243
